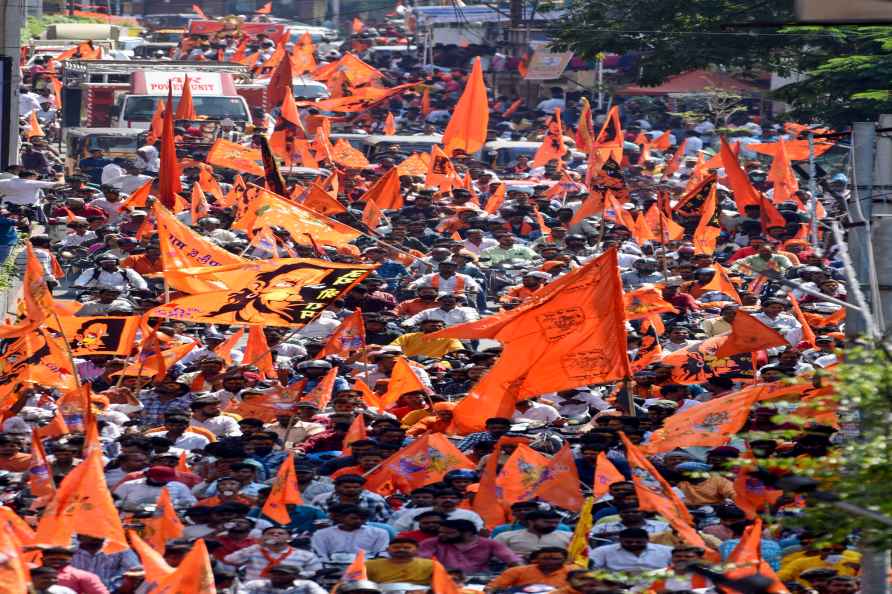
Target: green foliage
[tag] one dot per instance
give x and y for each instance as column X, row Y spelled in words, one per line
column 35, row 25
column 674, row 36
column 859, row 470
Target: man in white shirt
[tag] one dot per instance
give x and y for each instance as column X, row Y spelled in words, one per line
column 447, row 280
column 541, row 531
column 694, row 144
column 475, row 242
column 633, row 554
column 28, row 102
column 147, row 159
column 136, row 493
column 108, row 273
column 206, row 414
column 349, row 535
column 446, row 502
column 629, row 518
column 24, row 190
column 447, row 312
column 556, row 102
column 532, row 411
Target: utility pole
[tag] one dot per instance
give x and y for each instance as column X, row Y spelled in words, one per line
column 13, row 15
column 881, row 217
column 860, row 209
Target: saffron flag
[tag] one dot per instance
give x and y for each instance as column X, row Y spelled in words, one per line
column 746, row 560
column 552, row 147
column 389, row 125
column 226, row 347
column 101, row 335
column 709, row 228
column 709, row 424
column 402, row 381
column 231, row 155
column 318, row 200
column 357, row 26
column 321, row 394
column 198, row 205
column 257, row 352
column 385, row 192
column 559, row 481
column 421, row 463
column 466, row 130
column 265, row 9
column 520, row 475
column 744, row 192
column 83, row 505
column 797, row 150
column 751, row 495
column 371, row 215
column 282, row 292
column 14, row 577
column 585, row 131
column 185, row 108
column 808, row 335
column 362, row 99
column 169, row 186
column 266, row 209
column 645, row 302
column 192, row 576
column 356, row 432
column 570, row 333
column 608, row 145
column 356, row 72
column 282, row 77
column 605, row 475
column 40, row 473
column 441, row 172
column 496, row 199
column 441, row 581
column 356, row 570
column 747, row 335
column 165, row 525
column 284, row 492
column 781, row 174
column 153, row 563
column 34, row 128
column 721, row 283
column 346, row 156
column 347, row 338
column 426, row 101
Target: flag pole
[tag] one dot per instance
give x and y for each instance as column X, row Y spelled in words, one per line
column 77, row 379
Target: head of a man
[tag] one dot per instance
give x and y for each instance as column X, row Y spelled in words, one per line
column 634, row 540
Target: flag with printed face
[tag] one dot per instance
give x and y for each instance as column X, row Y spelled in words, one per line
column 421, row 463
column 347, row 338
column 98, row 335
column 559, row 481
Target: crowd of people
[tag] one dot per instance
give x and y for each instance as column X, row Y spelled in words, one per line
column 200, row 430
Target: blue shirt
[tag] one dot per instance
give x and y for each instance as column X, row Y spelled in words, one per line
column 771, row 551
column 8, row 235
column 303, row 518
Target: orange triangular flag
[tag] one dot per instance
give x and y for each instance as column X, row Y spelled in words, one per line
column 721, row 283
column 169, row 185
column 226, row 347
column 83, row 505
column 389, row 125
column 40, row 473
column 747, row 335
column 487, row 503
column 182, row 466
column 369, row 398
column 559, row 482
column 153, row 563
column 347, row 338
column 605, row 475
column 709, row 228
column 402, row 381
column 552, row 147
column 441, row 172
column 156, row 127
column 513, row 482
column 356, row 570
column 284, row 492
column 426, row 101
column 592, row 205
column 356, row 432
column 442, row 582
column 14, row 576
column 289, row 109
column 198, row 207
column 781, row 173
column 496, row 199
column 257, row 352
column 318, row 200
column 708, row 425
column 265, row 9
column 192, row 576
column 385, row 193
column 744, row 192
column 746, row 560
column 321, row 394
column 544, row 229
column 808, row 335
column 750, row 493
column 34, row 128
column 163, row 526
column 467, row 126
column 422, row 468
column 185, row 108
column 371, row 215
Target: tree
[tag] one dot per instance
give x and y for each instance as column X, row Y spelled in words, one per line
column 675, row 36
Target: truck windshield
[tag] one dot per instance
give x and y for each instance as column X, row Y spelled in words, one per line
column 141, row 108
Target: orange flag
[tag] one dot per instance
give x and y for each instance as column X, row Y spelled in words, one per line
column 645, row 302
column 371, row 215
column 347, row 338
column 426, row 101
column 750, row 493
column 320, row 201
column 356, row 570
column 358, row 25
column 402, row 381
column 808, row 335
column 520, row 475
column 226, row 347
column 488, row 503
column 496, row 199
column 609, row 142
column 710, row 424
column 356, row 432
column 769, row 215
column 232, row 155
column 441, row 172
column 675, row 162
column 40, row 473
column 185, row 108
column 721, row 283
column 744, row 192
column 385, row 192
column 605, row 475
column 321, row 394
column 14, row 578
column 467, row 127
column 356, row 72
column 747, row 335
column 369, row 398
column 37, row 298
column 667, row 229
column 55, row 428
column 442, row 582
column 655, row 494
column 559, row 482
column 389, row 125
column 284, row 492
column 585, row 131
column 163, row 526
column 709, row 228
column 182, row 466
column 591, row 205
column 198, row 207
column 552, row 147
column 540, row 221
column 548, row 342
column 192, row 576
column 257, row 352
column 82, row 504
column 265, row 9
column 156, row 127
column 797, row 150
column 169, row 185
column 153, row 563
column 746, row 559
column 34, row 128
column 422, row 462
column 781, row 173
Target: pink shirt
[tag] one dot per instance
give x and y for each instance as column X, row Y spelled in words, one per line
column 82, row 582
column 472, row 557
